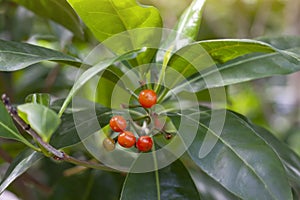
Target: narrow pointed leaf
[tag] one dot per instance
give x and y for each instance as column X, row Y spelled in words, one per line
column 240, row 160
column 8, row 128
column 57, row 10
column 20, row 164
column 15, row 56
column 41, row 118
column 189, row 22
column 186, row 29
column 232, row 63
column 194, row 57
column 174, row 183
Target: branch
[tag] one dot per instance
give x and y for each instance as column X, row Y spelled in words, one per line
column 56, row 154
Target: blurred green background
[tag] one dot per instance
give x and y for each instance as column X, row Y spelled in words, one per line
column 272, row 102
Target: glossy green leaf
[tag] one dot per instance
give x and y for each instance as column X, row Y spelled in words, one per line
column 240, row 160
column 93, row 71
column 208, row 188
column 87, row 121
column 189, row 22
column 20, row 164
column 290, row 159
column 8, row 128
column 187, row 27
column 126, row 24
column 39, row 98
column 16, row 56
column 42, row 119
column 240, row 69
column 98, row 185
column 174, row 183
column 108, row 17
column 195, row 57
column 57, row 10
column 282, row 42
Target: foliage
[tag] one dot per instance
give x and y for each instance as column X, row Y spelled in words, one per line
column 199, row 152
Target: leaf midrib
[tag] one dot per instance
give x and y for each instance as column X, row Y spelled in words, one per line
column 230, row 147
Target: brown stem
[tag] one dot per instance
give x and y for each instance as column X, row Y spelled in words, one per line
column 56, row 154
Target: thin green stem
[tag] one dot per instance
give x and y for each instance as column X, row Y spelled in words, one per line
column 156, row 172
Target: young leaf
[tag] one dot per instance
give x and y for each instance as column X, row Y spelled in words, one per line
column 16, row 56
column 20, row 164
column 133, row 25
column 190, row 20
column 8, row 129
column 57, row 10
column 186, row 29
column 39, row 98
column 108, row 17
column 240, row 160
column 173, row 182
column 42, row 119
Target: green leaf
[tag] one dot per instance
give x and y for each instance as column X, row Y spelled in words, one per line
column 207, row 186
column 42, row 119
column 289, row 158
column 86, row 121
column 39, row 98
column 8, row 128
column 57, row 10
column 194, row 61
column 240, row 160
column 187, row 27
column 195, row 57
column 174, row 183
column 108, row 17
column 98, row 185
column 93, row 71
column 133, row 25
column 20, row 164
column 282, row 42
column 16, row 56
column 240, row 69
column 189, row 22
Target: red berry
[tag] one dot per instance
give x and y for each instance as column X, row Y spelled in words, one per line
column 117, row 123
column 147, row 98
column 126, row 139
column 144, row 143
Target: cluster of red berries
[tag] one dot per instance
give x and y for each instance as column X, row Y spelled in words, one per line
column 147, row 98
